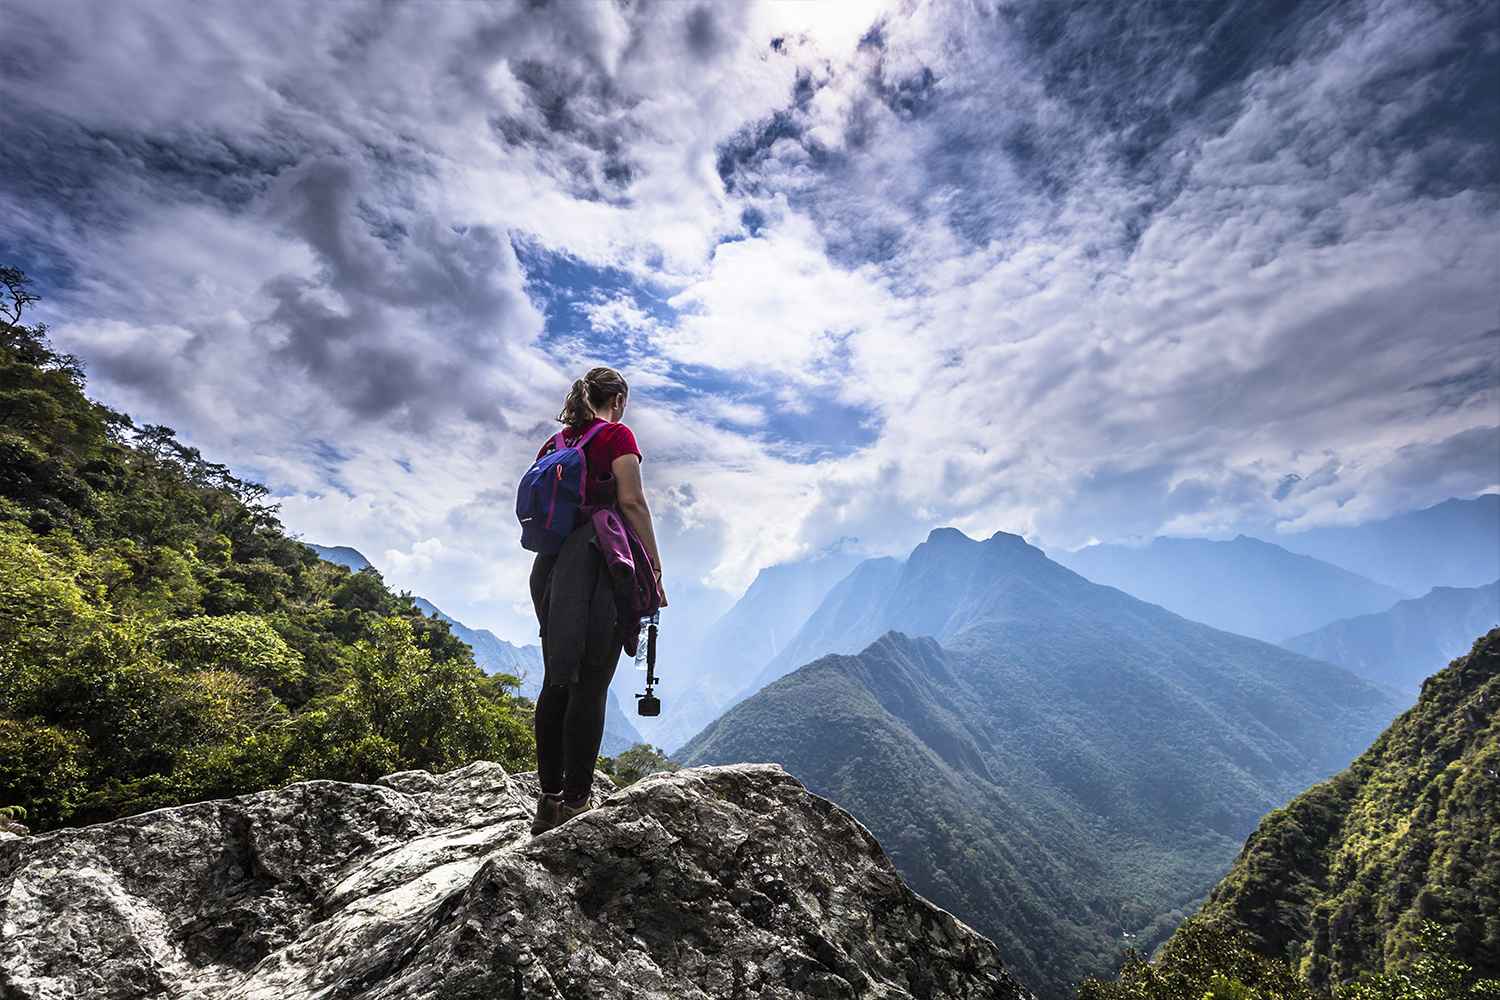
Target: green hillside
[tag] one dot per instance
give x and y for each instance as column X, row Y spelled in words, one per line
column 1341, row 880
column 162, row 639
column 1072, row 769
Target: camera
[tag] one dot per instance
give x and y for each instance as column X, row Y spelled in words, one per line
column 649, row 703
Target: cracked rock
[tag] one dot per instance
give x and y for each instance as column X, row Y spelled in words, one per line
column 710, row 882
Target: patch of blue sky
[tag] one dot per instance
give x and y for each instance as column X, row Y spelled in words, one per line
column 330, row 459
column 51, row 272
column 567, row 289
column 791, row 420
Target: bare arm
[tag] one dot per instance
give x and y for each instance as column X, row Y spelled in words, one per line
column 631, row 494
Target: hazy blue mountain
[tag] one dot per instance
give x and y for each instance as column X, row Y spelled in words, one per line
column 496, row 656
column 1404, row 645
column 1245, row 585
column 698, row 687
column 492, row 653
column 1073, row 768
column 848, row 619
column 342, row 555
column 1453, row 544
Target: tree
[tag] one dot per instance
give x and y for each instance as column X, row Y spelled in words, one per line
column 164, row 640
column 635, row 763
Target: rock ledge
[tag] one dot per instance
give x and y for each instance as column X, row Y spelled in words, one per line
column 711, row 882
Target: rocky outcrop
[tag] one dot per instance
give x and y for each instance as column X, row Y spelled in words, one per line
column 712, row 882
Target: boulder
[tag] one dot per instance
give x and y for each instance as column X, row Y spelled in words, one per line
column 710, row 882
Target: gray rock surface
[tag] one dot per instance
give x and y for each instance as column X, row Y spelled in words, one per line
column 721, row 882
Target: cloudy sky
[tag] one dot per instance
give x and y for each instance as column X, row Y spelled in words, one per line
column 1079, row 270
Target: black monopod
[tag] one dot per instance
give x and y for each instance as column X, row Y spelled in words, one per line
column 648, row 703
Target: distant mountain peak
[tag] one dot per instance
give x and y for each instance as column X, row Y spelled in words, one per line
column 341, row 555
column 1007, row 538
column 950, row 536
column 947, row 536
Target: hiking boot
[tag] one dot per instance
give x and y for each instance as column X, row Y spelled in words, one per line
column 547, row 807
column 567, row 809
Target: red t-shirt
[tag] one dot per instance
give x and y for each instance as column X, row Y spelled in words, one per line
column 612, row 441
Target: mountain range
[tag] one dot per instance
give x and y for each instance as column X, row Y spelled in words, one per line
column 1071, row 769
column 703, row 676
column 1452, row 544
column 1245, row 585
column 1402, row 646
column 496, row 656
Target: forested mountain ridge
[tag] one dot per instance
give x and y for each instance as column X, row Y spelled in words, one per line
column 1405, row 644
column 1072, row 769
column 1342, row 879
column 163, row 639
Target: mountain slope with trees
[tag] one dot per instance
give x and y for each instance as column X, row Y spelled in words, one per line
column 1342, row 879
column 164, row 640
column 846, row 621
column 1072, row 769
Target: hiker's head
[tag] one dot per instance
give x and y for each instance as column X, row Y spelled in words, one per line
column 600, row 393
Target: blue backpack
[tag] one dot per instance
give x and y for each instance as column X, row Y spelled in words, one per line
column 552, row 491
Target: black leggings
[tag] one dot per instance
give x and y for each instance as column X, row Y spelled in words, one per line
column 569, row 729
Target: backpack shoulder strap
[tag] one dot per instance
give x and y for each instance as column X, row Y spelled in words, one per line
column 589, row 434
column 560, row 441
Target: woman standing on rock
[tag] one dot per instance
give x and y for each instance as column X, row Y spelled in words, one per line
column 578, row 602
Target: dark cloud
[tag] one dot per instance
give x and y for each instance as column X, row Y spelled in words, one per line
column 1457, row 465
column 349, row 328
column 705, row 38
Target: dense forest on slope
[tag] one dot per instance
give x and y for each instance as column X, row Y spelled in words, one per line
column 162, row 639
column 1072, row 769
column 1404, row 645
column 1214, row 962
column 1342, row 879
column 494, row 655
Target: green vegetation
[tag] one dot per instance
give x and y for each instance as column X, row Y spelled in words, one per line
column 1071, row 770
column 633, row 764
column 1382, row 883
column 163, row 640
column 1207, row 962
column 1341, row 881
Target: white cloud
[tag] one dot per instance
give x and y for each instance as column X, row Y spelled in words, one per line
column 1081, row 307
